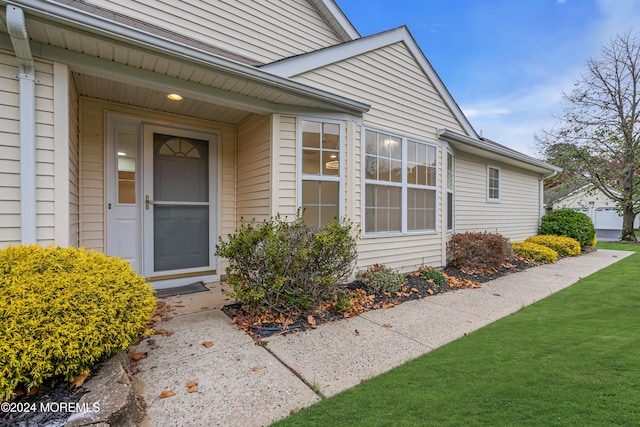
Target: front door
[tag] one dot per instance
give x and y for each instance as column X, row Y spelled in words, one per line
column 171, row 215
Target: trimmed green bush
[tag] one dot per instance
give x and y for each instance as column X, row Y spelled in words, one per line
column 380, row 278
column 478, row 251
column 563, row 245
column 62, row 310
column 537, row 253
column 570, row 223
column 284, row 267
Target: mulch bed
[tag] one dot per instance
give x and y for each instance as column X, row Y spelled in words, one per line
column 417, row 287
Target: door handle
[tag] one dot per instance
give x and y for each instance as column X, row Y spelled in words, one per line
column 148, row 201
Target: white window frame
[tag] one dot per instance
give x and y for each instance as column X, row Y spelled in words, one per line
column 450, row 190
column 324, row 178
column 403, row 184
column 489, row 198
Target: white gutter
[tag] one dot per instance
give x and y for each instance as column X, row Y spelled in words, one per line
column 497, row 149
column 20, row 40
column 67, row 15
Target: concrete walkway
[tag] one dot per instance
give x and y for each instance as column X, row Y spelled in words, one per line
column 244, row 384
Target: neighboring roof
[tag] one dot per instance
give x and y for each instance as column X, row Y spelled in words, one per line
column 561, row 191
column 300, row 64
column 490, row 149
column 66, row 16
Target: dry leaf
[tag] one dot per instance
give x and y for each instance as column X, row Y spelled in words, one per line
column 257, row 368
column 164, row 332
column 166, row 393
column 204, row 307
column 387, row 325
column 192, row 386
column 207, row 344
column 311, row 320
column 78, row 380
column 496, row 295
column 138, row 356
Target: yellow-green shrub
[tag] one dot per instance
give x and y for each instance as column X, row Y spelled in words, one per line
column 64, row 309
column 565, row 246
column 535, row 252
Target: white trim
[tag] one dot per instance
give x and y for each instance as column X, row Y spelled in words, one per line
column 61, row 153
column 489, row 198
column 483, row 148
column 297, row 65
column 336, row 19
column 404, row 185
column 451, row 190
column 326, row 178
column 274, row 179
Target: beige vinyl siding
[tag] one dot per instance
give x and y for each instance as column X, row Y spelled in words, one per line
column 254, row 170
column 517, row 214
column 285, row 170
column 92, row 163
column 403, row 100
column 45, row 156
column 9, row 151
column 74, row 164
column 265, row 30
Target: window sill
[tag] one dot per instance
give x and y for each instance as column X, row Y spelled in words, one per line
column 399, row 234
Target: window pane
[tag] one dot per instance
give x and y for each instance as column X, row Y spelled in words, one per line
column 431, row 177
column 369, row 220
column 449, row 211
column 331, row 136
column 310, row 192
column 127, row 148
column 311, row 162
column 311, row 216
column 396, row 148
column 422, row 153
column 384, row 145
column 384, row 170
column 311, row 134
column 327, row 214
column 394, row 219
column 422, row 175
column 412, row 173
column 411, row 151
column 371, row 142
column 396, row 171
column 330, row 163
column 394, row 197
column 449, row 171
column 431, row 156
column 371, row 167
column 329, row 193
column 382, row 196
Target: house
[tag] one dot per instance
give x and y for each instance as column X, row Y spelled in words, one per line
column 589, row 200
column 148, row 131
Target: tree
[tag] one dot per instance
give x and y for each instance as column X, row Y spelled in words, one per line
column 597, row 138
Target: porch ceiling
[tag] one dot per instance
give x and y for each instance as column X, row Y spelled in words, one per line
column 110, row 56
column 137, row 96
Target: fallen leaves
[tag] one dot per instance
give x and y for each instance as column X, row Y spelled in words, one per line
column 257, row 368
column 192, row 387
column 311, row 320
column 387, row 325
column 164, row 332
column 166, row 393
column 78, row 380
column 207, row 344
column 138, row 356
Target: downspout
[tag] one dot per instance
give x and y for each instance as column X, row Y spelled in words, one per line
column 20, row 40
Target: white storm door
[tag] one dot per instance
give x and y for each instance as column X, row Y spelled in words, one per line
column 123, row 210
column 179, row 209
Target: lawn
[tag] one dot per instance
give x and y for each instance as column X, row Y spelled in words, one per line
column 570, row 359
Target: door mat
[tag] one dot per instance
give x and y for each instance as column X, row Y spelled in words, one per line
column 181, row 290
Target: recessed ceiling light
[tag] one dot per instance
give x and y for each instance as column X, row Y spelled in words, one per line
column 174, row 97
column 120, row 153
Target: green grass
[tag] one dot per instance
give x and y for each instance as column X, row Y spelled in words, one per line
column 571, row 359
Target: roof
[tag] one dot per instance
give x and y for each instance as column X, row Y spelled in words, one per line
column 489, row 149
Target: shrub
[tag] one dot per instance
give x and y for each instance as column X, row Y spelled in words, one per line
column 563, row 245
column 478, row 251
column 282, row 267
column 567, row 222
column 64, row 309
column 435, row 276
column 380, row 278
column 535, row 252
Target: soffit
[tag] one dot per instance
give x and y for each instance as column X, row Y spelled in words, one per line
column 137, row 96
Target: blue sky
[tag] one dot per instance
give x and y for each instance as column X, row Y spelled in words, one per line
column 506, row 62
